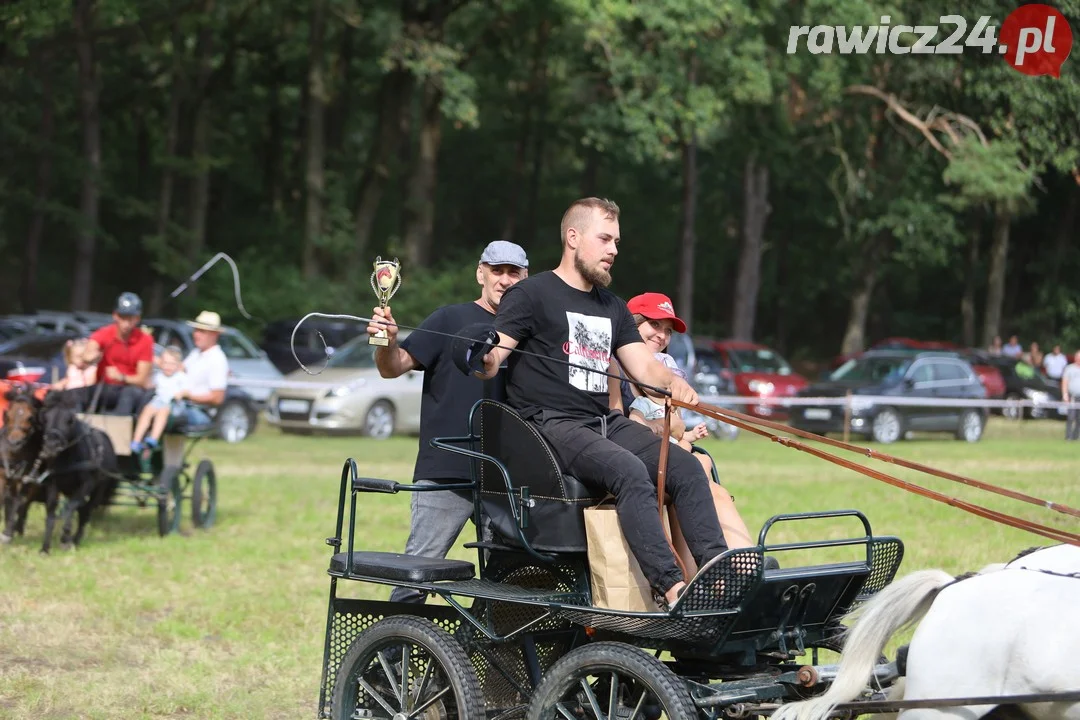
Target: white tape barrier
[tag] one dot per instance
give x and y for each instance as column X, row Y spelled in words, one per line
column 856, row 401
column 867, row 401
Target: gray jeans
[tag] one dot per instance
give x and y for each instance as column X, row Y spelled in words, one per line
column 437, row 519
column 1072, row 423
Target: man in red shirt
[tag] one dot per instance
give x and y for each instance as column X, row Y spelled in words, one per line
column 125, row 356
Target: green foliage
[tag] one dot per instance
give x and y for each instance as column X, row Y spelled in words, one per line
column 989, row 175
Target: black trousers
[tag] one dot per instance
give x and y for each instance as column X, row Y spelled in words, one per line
column 114, row 399
column 625, row 463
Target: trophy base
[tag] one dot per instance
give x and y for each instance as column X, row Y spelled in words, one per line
column 378, row 340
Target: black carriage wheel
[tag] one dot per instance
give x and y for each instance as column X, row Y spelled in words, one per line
column 168, row 500
column 436, row 681
column 204, row 495
column 607, row 680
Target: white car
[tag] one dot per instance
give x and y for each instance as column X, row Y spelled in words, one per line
column 347, row 396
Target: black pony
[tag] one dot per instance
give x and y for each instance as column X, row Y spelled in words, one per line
column 77, row 461
column 20, row 444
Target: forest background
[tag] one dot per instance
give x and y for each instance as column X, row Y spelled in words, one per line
column 815, row 202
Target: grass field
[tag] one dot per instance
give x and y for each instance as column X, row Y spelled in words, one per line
column 229, row 623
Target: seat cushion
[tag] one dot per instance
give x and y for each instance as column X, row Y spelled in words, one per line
column 406, row 568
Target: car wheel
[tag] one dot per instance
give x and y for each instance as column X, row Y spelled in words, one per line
column 1012, row 412
column 970, row 428
column 379, row 421
column 234, row 421
column 887, row 427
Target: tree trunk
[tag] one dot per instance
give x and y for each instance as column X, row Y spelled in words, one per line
column 393, row 100
column 967, row 302
column 1066, row 234
column 314, row 175
column 688, row 231
column 533, row 112
column 590, row 175
column 199, row 197
column 865, row 281
column 89, row 114
column 420, row 199
column 755, row 213
column 274, row 149
column 995, row 284
column 32, row 252
column 163, row 241
column 783, row 241
column 338, row 110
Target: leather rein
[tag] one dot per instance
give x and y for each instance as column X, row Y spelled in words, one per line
column 758, row 425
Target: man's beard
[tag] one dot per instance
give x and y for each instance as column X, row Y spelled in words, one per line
column 594, row 276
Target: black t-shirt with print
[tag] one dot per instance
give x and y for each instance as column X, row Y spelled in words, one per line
column 548, row 317
column 448, row 395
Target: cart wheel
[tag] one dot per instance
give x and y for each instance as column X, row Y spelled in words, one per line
column 610, row 680
column 169, row 499
column 204, row 495
column 436, row 680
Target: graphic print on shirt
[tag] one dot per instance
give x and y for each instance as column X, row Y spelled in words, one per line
column 589, row 346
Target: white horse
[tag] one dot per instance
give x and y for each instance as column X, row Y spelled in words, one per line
column 1012, row 629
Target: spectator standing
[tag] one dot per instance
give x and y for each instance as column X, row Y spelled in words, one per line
column 1013, row 349
column 995, row 346
column 1034, row 356
column 1070, row 392
column 1054, row 363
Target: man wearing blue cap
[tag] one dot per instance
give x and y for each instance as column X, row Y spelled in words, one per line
column 438, row 517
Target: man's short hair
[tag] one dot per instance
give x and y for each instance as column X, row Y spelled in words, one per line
column 580, row 212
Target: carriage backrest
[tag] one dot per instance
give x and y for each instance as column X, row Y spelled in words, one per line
column 553, row 502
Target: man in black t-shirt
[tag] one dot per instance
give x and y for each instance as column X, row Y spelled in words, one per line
column 568, row 316
column 438, row 517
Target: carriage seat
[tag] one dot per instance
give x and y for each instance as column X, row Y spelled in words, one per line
column 402, row 568
column 535, row 497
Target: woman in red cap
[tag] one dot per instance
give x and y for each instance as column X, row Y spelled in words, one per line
column 655, row 318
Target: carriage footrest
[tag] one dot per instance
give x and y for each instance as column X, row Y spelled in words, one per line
column 405, row 568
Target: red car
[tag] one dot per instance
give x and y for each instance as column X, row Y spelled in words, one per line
column 989, row 375
column 758, row 371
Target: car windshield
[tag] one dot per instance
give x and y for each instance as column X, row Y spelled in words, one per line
column 871, row 369
column 763, row 360
column 356, row 355
column 237, row 347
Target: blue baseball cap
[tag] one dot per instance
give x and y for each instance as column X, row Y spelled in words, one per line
column 128, row 305
column 502, row 252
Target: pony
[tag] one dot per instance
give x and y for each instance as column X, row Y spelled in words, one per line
column 78, row 461
column 20, row 444
column 1009, row 629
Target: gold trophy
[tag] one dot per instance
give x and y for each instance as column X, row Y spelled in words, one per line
column 385, row 281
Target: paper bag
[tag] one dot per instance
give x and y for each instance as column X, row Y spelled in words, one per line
column 616, row 578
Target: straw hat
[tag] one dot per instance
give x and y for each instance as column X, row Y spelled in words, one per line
column 206, row 320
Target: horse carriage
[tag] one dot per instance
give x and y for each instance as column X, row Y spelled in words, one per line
column 50, row 451
column 520, row 636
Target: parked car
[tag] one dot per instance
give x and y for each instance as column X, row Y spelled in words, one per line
column 348, row 396
column 1023, row 381
column 34, row 357
column 55, row 321
column 903, row 375
column 989, row 375
column 705, row 374
column 246, row 361
column 277, row 340
column 757, row 371
column 12, row 328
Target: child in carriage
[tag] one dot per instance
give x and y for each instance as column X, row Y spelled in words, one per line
column 655, row 318
column 153, row 418
column 80, row 373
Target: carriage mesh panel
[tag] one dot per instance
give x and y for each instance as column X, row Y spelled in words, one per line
column 350, row 619
column 720, row 588
column 886, row 554
column 517, row 578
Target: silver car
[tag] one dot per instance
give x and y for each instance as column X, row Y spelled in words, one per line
column 347, row 396
column 249, row 368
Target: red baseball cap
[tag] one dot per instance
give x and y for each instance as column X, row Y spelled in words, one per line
column 655, row 306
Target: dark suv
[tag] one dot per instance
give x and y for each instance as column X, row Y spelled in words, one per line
column 888, row 374
column 277, row 340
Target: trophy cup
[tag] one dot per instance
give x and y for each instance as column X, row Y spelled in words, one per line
column 385, row 281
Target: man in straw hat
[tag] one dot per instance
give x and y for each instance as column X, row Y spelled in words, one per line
column 206, row 366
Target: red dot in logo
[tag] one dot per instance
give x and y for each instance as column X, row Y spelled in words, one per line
column 1037, row 39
